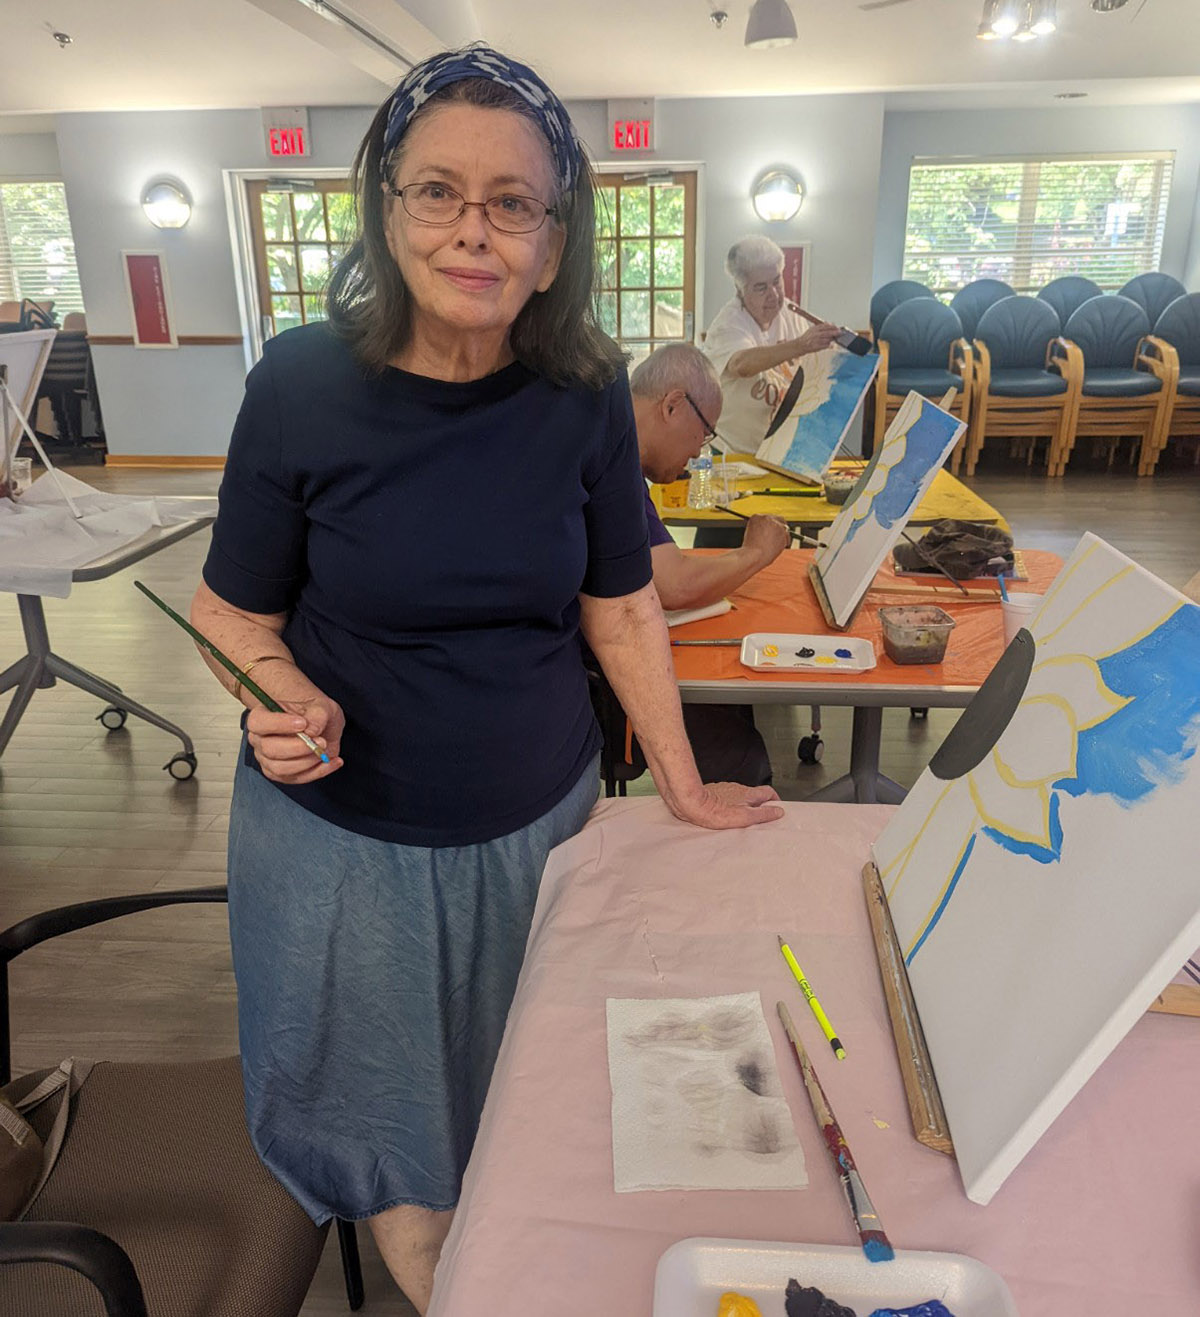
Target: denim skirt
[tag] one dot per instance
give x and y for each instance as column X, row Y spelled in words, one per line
column 373, row 982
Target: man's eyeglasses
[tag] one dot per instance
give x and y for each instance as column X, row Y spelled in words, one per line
column 434, row 203
column 710, row 431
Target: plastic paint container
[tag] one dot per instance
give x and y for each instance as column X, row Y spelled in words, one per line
column 837, row 486
column 915, row 633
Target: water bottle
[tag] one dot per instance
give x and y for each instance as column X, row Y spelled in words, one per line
column 700, row 485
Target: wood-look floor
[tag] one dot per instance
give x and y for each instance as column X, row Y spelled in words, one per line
column 85, row 812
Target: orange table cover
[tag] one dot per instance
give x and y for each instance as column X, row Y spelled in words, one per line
column 781, row 598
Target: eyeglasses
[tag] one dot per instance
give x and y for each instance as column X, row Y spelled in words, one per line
column 710, row 431
column 434, row 203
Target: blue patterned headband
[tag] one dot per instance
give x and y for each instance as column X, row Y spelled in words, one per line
column 483, row 62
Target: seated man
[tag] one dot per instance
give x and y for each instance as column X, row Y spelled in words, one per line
column 676, row 403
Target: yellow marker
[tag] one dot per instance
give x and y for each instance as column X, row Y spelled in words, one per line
column 811, row 997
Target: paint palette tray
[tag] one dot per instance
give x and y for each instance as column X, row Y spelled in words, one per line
column 770, row 651
column 694, row 1273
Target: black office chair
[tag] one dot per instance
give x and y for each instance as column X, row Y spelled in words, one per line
column 157, row 1193
column 621, row 758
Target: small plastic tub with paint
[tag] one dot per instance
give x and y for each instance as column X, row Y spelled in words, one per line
column 915, row 633
column 837, row 486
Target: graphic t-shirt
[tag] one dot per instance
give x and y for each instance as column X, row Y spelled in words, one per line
column 749, row 403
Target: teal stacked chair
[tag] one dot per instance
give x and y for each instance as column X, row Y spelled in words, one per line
column 1126, row 389
column 1179, row 328
column 1068, row 294
column 888, row 297
column 1021, row 390
column 973, row 300
column 922, row 349
column 1153, row 292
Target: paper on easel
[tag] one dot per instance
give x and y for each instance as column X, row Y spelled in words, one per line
column 678, row 616
column 696, row 1098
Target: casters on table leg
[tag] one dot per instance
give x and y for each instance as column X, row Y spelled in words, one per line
column 112, row 718
column 181, row 766
column 810, row 749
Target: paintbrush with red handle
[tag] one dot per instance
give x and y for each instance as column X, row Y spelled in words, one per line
column 875, row 1243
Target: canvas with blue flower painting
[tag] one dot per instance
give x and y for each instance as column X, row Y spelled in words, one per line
column 1041, row 874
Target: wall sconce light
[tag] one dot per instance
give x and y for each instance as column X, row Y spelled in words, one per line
column 777, row 196
column 167, row 203
column 770, row 24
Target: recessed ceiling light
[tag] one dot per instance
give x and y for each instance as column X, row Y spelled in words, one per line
column 1069, row 95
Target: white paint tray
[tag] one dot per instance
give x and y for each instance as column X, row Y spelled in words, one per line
column 694, row 1273
column 769, row 651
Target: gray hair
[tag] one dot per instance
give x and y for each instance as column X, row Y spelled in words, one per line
column 749, row 254
column 675, row 366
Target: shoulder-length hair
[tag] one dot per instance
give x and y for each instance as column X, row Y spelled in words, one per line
column 555, row 334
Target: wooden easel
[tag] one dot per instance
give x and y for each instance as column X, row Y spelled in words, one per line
column 928, row 1116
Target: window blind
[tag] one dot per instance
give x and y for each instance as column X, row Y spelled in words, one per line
column 37, row 251
column 1027, row 221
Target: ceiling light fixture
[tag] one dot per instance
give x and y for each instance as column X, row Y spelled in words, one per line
column 1006, row 17
column 1022, row 20
column 320, row 7
column 986, row 31
column 770, row 24
column 1109, row 6
column 777, row 196
column 166, row 203
column 1070, row 95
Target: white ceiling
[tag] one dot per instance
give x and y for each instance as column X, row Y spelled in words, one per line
column 156, row 54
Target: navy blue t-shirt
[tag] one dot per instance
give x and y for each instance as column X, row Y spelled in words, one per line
column 428, row 541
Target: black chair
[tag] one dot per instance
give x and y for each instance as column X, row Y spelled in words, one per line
column 974, row 299
column 888, row 297
column 66, row 381
column 621, row 758
column 157, row 1194
column 1068, row 294
column 1153, row 292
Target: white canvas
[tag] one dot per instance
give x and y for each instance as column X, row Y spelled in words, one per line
column 835, row 384
column 25, row 356
column 1042, row 872
column 916, row 444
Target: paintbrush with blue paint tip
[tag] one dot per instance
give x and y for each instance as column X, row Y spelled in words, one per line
column 875, row 1244
column 230, row 666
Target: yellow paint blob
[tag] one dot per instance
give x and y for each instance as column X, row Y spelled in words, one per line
column 771, row 651
column 737, row 1305
column 825, row 659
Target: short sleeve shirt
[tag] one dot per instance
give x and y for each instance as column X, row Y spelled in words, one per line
column 428, row 542
column 749, row 403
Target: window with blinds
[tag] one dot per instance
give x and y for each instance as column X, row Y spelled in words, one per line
column 1029, row 221
column 37, row 251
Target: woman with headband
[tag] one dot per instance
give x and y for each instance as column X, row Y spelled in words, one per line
column 427, row 500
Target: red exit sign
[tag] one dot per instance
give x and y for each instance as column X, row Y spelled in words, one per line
column 286, row 141
column 631, row 125
column 285, row 130
column 632, row 135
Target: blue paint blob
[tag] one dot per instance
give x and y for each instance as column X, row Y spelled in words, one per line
column 934, row 1308
column 842, row 653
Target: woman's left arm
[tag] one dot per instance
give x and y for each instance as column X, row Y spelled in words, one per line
column 628, row 635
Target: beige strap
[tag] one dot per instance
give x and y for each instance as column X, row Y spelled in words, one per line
column 70, row 1075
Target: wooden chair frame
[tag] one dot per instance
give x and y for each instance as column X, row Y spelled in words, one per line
column 961, row 362
column 1183, row 421
column 995, row 416
column 1146, row 417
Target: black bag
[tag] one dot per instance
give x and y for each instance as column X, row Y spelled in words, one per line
column 960, row 548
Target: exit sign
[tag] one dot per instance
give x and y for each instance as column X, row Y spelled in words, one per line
column 286, row 132
column 631, row 125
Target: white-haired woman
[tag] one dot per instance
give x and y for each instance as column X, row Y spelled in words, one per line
column 754, row 339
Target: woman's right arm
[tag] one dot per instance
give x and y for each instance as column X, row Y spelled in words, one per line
column 256, row 638
column 753, row 361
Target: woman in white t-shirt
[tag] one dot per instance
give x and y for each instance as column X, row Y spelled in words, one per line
column 755, row 340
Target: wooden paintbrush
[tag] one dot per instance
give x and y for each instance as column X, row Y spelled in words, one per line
column 875, row 1243
column 848, row 339
column 745, row 516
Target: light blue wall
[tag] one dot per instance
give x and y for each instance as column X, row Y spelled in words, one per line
column 183, row 401
column 28, row 155
column 1056, row 131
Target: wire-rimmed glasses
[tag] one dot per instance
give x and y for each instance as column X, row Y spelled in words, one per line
column 435, row 203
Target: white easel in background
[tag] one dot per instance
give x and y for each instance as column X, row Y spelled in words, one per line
column 22, row 360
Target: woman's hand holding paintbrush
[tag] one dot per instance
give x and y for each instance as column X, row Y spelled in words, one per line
column 286, row 732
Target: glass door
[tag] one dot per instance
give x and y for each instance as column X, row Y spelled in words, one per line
column 300, row 229
column 647, row 254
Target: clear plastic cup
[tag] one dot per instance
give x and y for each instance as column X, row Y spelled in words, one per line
column 1016, row 611
column 915, row 633
column 22, row 475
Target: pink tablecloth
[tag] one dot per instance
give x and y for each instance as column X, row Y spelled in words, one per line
column 1101, row 1219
